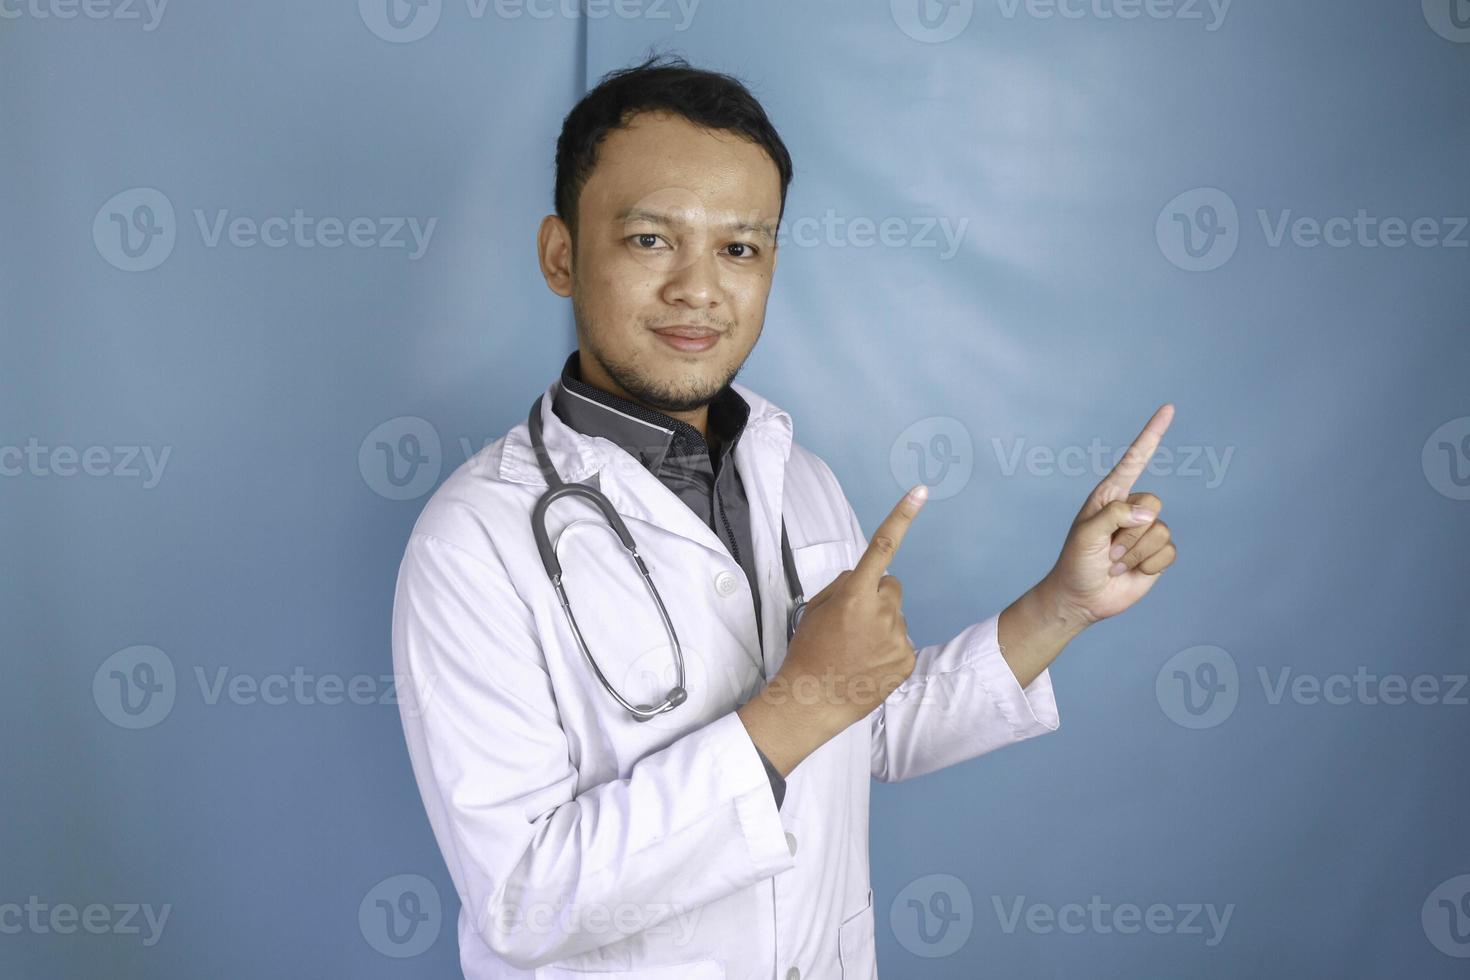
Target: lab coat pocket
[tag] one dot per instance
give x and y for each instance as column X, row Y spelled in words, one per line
column 697, row 970
column 855, row 945
column 818, row 564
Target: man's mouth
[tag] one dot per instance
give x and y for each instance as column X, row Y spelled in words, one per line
column 688, row 338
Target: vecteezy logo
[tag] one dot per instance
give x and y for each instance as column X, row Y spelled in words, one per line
column 1446, row 459
column 1198, row 230
column 1450, row 19
column 652, row 673
column 401, row 458
column 932, row 21
column 936, row 451
column 134, row 688
column 400, row 21
column 135, row 230
column 933, row 916
column 400, row 916
column 1198, row 687
column 1446, row 917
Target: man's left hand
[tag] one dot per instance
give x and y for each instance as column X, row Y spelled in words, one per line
column 1114, row 552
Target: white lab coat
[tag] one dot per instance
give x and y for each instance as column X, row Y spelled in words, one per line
column 585, row 844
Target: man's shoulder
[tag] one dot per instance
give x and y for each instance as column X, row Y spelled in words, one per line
column 472, row 505
column 805, row 465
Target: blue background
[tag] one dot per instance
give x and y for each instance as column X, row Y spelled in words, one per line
column 1331, row 539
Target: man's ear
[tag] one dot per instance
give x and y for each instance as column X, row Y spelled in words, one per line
column 554, row 251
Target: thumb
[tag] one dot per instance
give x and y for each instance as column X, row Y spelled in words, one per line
column 1096, row 533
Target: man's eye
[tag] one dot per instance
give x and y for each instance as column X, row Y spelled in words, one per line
column 749, row 251
column 645, row 241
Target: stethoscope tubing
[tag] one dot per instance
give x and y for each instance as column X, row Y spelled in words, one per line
column 558, row 489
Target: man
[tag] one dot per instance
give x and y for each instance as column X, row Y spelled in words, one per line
column 727, row 835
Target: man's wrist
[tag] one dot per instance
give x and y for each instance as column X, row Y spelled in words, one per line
column 1053, row 615
column 1032, row 630
column 785, row 729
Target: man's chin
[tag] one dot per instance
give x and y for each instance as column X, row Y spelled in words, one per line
column 683, row 399
column 670, row 406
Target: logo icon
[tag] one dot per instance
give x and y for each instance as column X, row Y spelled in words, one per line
column 1450, row 19
column 1198, row 230
column 1446, row 459
column 649, row 677
column 134, row 688
column 1198, row 687
column 932, row 21
column 933, row 916
column 401, row 458
column 936, row 451
column 135, row 230
column 1446, row 917
column 400, row 916
column 400, row 21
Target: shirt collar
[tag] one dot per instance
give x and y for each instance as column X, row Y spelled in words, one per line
column 648, row 435
column 766, row 441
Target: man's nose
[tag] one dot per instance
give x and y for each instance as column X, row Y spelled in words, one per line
column 696, row 280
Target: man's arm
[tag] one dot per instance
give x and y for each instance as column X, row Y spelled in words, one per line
column 965, row 698
column 492, row 764
column 852, row 660
column 958, row 699
column 1031, row 632
column 989, row 686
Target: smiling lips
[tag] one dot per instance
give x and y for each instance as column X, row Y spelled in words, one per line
column 688, row 338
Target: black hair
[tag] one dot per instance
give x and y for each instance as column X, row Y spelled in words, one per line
column 662, row 82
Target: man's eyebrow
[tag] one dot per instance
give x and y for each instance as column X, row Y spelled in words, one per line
column 660, row 218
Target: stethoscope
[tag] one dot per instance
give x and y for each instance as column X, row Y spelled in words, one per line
column 556, row 489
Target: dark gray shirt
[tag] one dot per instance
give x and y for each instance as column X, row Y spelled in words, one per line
column 701, row 473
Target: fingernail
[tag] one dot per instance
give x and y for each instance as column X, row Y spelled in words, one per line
column 918, row 494
column 1143, row 515
column 1118, row 569
column 1117, row 552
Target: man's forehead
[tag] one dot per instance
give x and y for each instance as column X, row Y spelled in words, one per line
column 688, row 215
column 663, row 167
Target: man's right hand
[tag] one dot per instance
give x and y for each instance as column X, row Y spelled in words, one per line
column 850, row 651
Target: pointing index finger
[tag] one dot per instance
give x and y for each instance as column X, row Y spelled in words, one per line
column 883, row 545
column 1127, row 470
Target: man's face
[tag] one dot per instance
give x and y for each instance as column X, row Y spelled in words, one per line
column 676, row 227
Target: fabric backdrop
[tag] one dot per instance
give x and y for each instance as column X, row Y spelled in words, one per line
column 268, row 274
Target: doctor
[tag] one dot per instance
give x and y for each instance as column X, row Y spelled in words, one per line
column 657, row 777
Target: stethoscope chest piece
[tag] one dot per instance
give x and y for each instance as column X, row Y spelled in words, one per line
column 794, row 620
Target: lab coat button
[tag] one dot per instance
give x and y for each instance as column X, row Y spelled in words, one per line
column 793, row 974
column 726, row 583
column 791, row 842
